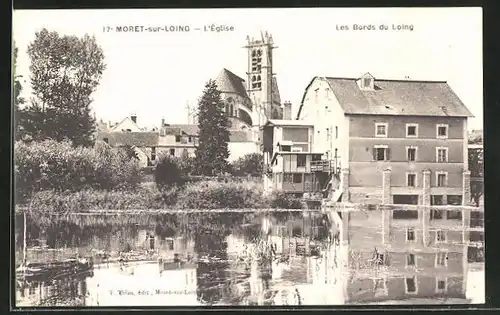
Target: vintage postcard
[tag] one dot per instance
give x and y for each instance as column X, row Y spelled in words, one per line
column 240, row 157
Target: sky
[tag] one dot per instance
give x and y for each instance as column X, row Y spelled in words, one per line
column 156, row 75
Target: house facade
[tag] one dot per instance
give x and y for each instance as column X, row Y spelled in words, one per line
column 395, row 141
column 291, row 164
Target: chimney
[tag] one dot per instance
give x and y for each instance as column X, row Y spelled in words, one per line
column 287, row 111
column 134, row 118
column 163, row 121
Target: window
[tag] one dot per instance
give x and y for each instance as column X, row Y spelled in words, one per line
column 301, row 160
column 177, row 138
column 172, row 151
column 441, row 179
column 410, row 260
column 128, row 130
column 440, row 236
column 286, row 148
column 190, row 139
column 327, row 134
column 316, row 157
column 442, row 155
column 411, row 130
column 454, row 215
column 442, row 131
column 411, row 154
column 441, row 285
column 410, row 235
column 170, row 244
column 381, row 130
column 380, row 259
column 411, row 285
column 442, row 259
column 436, row 200
column 288, row 178
column 316, row 93
column 336, row 132
column 297, row 178
column 405, row 214
column 411, row 179
column 381, row 153
column 105, row 140
column 366, row 82
column 454, row 200
column 153, row 153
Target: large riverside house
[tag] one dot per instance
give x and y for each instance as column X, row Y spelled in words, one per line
column 395, row 142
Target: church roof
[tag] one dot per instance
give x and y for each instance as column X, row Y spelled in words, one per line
column 397, row 97
column 228, row 82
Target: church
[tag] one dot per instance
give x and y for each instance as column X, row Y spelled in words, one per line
column 249, row 104
column 252, row 102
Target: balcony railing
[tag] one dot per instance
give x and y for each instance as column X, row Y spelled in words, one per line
column 322, row 166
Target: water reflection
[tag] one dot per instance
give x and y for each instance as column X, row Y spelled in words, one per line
column 197, row 259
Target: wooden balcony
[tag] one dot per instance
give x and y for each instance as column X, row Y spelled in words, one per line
column 322, row 166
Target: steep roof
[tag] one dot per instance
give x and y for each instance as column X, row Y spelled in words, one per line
column 180, row 129
column 139, row 139
column 282, row 122
column 228, row 82
column 239, row 136
column 397, row 97
column 115, row 127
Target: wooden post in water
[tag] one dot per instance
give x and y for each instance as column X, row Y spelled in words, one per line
column 24, row 238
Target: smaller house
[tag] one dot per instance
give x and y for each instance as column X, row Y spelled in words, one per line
column 291, row 165
column 178, row 140
column 144, row 143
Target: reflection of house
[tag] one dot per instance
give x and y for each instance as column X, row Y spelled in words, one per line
column 167, row 247
column 70, row 292
column 386, row 255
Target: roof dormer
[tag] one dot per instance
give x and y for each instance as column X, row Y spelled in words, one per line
column 366, row 82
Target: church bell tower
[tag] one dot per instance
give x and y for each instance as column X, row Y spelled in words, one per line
column 260, row 78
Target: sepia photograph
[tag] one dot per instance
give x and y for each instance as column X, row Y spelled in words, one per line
column 248, row 157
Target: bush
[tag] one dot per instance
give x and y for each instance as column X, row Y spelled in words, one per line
column 58, row 166
column 280, row 200
column 167, row 172
column 250, row 164
column 220, row 195
column 56, row 202
column 186, row 165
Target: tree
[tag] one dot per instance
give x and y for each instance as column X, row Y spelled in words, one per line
column 212, row 151
column 17, row 86
column 476, row 173
column 249, row 164
column 167, row 172
column 16, row 92
column 64, row 72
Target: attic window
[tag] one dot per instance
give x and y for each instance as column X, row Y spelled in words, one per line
column 367, row 82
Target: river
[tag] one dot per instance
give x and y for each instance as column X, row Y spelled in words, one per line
column 199, row 259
